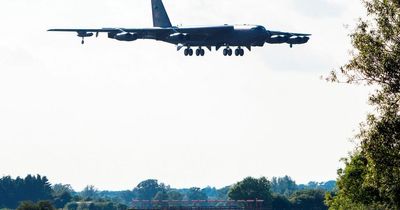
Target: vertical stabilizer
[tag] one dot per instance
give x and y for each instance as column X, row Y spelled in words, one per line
column 160, row 16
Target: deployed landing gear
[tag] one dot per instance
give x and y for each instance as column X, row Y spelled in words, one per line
column 188, row 52
column 227, row 51
column 200, row 52
column 239, row 52
column 83, row 41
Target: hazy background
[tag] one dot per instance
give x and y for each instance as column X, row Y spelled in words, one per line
column 112, row 114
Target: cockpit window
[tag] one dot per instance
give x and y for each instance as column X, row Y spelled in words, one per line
column 259, row 28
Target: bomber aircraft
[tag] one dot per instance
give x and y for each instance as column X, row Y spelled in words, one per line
column 223, row 36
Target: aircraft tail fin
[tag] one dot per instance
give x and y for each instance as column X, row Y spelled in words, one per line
column 160, row 16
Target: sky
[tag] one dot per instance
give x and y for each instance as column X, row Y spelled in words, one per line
column 112, row 114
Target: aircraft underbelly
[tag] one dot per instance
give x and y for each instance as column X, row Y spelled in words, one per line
column 235, row 38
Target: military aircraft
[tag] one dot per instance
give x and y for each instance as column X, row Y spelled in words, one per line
column 225, row 36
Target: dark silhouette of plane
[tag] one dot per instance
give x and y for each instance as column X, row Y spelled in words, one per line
column 226, row 36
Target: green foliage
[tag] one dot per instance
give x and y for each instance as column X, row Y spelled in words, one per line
column 196, row 193
column 371, row 178
column 33, row 188
column 308, row 199
column 62, row 194
column 251, row 189
column 147, row 189
column 95, row 205
column 175, row 195
column 280, row 202
column 41, row 205
column 90, row 192
column 283, row 185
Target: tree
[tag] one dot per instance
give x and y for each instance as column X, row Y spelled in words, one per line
column 375, row 62
column 175, row 195
column 89, row 192
column 161, row 195
column 146, row 190
column 222, row 194
column 283, row 185
column 62, row 194
column 251, row 189
column 33, row 188
column 308, row 199
column 280, row 202
column 41, row 205
column 196, row 193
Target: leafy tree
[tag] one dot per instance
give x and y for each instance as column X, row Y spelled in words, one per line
column 375, row 62
column 60, row 200
column 196, row 193
column 175, row 195
column 280, row 202
column 71, row 206
column 127, row 196
column 13, row 191
column 41, row 205
column 222, row 194
column 283, row 185
column 161, row 195
column 61, row 188
column 146, row 190
column 308, row 199
column 89, row 192
column 251, row 189
column 62, row 194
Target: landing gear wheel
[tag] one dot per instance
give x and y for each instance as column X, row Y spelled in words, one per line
column 83, row 41
column 186, row 52
column 225, row 52
column 198, row 52
column 229, row 52
column 190, row 52
column 202, row 52
column 237, row 52
column 241, row 52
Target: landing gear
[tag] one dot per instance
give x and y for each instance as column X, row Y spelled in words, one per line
column 239, row 52
column 200, row 52
column 83, row 41
column 227, row 51
column 188, row 52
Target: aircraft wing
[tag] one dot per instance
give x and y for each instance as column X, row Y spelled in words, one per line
column 287, row 34
column 141, row 32
column 150, row 33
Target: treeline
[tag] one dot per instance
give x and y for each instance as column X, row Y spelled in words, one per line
column 279, row 193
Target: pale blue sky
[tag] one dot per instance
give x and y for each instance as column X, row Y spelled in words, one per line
column 112, row 114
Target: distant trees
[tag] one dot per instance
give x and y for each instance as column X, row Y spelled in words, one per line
column 196, row 193
column 33, row 188
column 286, row 197
column 95, row 205
column 60, row 196
column 251, row 188
column 308, row 199
column 283, row 185
column 89, row 192
column 41, row 205
column 147, row 190
column 175, row 195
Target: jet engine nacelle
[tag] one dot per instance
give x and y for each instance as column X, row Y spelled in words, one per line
column 125, row 36
column 277, row 39
column 298, row 40
column 84, row 34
